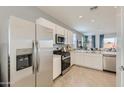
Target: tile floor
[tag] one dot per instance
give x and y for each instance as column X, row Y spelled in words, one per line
column 84, row 77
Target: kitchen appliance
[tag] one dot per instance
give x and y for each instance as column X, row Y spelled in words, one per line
column 60, row 39
column 65, row 60
column 109, row 62
column 30, row 51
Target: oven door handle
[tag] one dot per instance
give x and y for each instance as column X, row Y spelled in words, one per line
column 63, row 58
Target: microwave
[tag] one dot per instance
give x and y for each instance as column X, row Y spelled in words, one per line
column 60, row 39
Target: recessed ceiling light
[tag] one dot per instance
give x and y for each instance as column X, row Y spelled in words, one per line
column 80, row 17
column 92, row 20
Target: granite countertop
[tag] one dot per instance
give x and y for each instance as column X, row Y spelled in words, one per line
column 95, row 52
column 109, row 53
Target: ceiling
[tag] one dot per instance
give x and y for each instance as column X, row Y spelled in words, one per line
column 100, row 20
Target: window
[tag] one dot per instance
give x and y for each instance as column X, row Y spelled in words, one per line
column 101, row 41
column 93, row 41
column 110, row 42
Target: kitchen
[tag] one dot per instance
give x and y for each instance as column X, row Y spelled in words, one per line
column 73, row 51
column 95, row 51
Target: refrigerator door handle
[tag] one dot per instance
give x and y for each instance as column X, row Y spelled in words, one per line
column 38, row 57
column 33, row 57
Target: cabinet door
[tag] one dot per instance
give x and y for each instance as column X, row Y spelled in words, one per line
column 59, row 30
column 54, row 35
column 79, row 59
column 82, row 59
column 70, row 37
column 93, row 61
column 62, row 31
column 56, row 66
column 66, row 36
column 73, row 58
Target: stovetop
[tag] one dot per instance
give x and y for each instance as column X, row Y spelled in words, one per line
column 59, row 52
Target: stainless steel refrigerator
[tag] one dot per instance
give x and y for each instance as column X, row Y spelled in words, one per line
column 26, row 54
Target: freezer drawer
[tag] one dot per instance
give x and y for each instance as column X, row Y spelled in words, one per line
column 109, row 63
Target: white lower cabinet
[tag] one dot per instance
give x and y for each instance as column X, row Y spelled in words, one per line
column 73, row 58
column 94, row 61
column 56, row 66
column 79, row 59
column 89, row 60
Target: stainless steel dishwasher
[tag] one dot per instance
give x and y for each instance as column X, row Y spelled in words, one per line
column 109, row 62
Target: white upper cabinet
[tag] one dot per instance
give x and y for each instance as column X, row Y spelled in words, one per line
column 66, row 36
column 70, row 37
column 59, row 30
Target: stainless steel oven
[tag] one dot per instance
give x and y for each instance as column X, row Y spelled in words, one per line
column 65, row 62
column 60, row 39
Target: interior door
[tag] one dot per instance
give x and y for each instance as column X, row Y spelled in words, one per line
column 44, row 56
column 22, row 35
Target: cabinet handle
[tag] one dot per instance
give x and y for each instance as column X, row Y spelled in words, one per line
column 33, row 57
column 38, row 56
